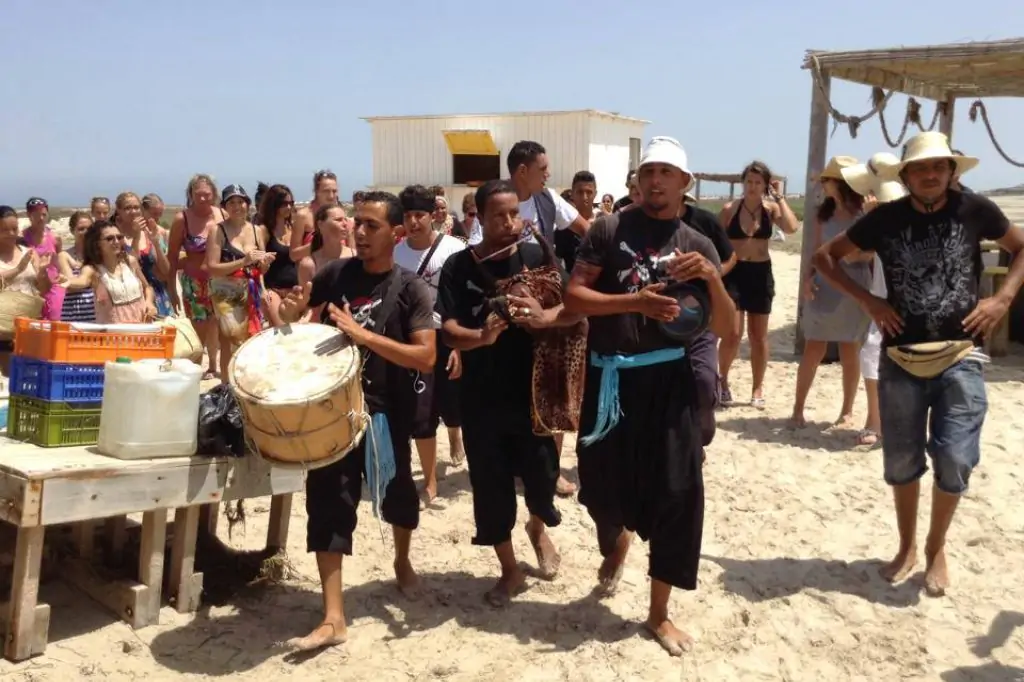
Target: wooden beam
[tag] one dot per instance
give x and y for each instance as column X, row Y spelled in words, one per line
column 817, row 153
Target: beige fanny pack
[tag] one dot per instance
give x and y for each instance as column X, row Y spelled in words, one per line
column 928, row 360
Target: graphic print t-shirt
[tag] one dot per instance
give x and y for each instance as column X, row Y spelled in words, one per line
column 931, row 261
column 626, row 247
column 386, row 387
column 497, row 379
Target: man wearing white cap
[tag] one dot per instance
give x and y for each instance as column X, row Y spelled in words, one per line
column 931, row 385
column 640, row 450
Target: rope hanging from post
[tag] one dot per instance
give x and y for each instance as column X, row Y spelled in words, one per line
column 979, row 106
column 878, row 99
column 913, row 115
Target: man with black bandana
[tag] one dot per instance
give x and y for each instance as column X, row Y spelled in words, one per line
column 386, row 311
column 640, row 457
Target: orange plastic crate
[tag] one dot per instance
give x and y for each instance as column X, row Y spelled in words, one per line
column 60, row 342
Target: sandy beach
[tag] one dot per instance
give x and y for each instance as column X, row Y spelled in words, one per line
column 797, row 524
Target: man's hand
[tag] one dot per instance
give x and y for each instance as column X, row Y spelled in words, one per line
column 526, row 311
column 986, row 315
column 686, row 266
column 493, row 327
column 454, row 366
column 296, row 302
column 343, row 320
column 884, row 315
column 652, row 304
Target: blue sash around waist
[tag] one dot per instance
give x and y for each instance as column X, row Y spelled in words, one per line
column 608, row 407
column 380, row 467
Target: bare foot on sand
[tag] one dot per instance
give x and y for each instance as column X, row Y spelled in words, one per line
column 936, row 573
column 427, row 498
column 899, row 568
column 565, row 487
column 845, row 421
column 797, row 421
column 675, row 641
column 548, row 559
column 610, row 573
column 326, row 634
column 408, row 581
column 507, row 587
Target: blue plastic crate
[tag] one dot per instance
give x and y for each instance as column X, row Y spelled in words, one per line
column 58, row 382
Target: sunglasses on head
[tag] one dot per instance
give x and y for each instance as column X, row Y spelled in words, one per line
column 324, row 175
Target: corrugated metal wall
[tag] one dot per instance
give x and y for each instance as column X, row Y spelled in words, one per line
column 408, row 151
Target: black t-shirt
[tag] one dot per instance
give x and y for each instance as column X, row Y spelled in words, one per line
column 387, row 387
column 707, row 224
column 625, row 246
column 496, row 379
column 567, row 243
column 931, row 261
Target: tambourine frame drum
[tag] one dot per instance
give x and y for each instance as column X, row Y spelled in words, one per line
column 311, row 431
column 693, row 320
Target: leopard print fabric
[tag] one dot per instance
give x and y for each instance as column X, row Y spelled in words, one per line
column 559, row 354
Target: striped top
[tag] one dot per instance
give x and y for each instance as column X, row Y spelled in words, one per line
column 80, row 305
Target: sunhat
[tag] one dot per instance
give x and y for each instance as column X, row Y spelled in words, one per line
column 933, row 145
column 876, row 177
column 834, row 167
column 668, row 151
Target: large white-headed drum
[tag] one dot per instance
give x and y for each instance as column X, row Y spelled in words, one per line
column 300, row 392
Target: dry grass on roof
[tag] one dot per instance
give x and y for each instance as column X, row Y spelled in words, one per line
column 976, row 69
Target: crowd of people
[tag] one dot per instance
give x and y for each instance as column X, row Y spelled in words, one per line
column 459, row 316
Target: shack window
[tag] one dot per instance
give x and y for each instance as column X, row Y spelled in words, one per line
column 471, row 169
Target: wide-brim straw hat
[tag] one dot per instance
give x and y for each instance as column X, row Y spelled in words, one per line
column 834, row 167
column 934, row 145
column 876, row 177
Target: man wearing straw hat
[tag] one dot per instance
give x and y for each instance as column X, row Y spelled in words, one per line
column 640, row 458
column 929, row 244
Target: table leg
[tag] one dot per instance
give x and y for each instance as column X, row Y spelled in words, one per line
column 28, row 622
column 186, row 584
column 280, row 517
column 209, row 515
column 116, row 532
column 85, row 537
column 151, row 564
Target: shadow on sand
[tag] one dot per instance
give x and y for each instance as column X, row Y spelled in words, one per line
column 759, row 580
column 218, row 646
column 813, row 436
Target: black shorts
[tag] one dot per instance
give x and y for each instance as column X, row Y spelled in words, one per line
column 751, row 285
column 439, row 398
column 333, row 493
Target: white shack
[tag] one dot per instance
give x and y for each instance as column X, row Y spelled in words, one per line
column 462, row 151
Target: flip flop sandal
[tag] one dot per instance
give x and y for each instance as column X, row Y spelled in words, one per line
column 867, row 437
column 759, row 403
column 726, row 398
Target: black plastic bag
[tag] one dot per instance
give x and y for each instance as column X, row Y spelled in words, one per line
column 220, row 424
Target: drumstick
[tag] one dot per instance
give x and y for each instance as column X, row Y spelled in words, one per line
column 527, row 234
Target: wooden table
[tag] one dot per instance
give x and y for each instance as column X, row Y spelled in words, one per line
column 42, row 487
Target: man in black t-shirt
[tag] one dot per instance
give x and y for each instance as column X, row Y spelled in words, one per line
column 497, row 388
column 387, row 312
column 707, row 224
column 631, row 190
column 640, row 454
column 929, row 244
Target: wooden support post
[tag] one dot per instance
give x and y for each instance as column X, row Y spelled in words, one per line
column 732, row 191
column 946, row 118
column 116, row 533
column 27, row 621
column 280, row 516
column 85, row 538
column 151, row 562
column 696, row 190
column 817, row 153
column 186, row 584
column 209, row 515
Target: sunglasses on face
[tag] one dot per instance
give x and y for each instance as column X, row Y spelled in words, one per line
column 112, row 238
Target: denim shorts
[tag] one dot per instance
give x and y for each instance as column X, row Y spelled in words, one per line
column 941, row 416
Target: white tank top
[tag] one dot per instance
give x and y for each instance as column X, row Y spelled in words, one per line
column 25, row 281
column 123, row 289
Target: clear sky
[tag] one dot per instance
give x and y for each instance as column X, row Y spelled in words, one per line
column 105, row 95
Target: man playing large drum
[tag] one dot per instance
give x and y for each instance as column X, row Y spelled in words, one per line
column 387, row 312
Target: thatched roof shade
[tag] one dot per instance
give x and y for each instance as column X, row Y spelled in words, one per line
column 989, row 69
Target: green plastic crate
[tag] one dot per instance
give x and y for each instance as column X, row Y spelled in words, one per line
column 53, row 424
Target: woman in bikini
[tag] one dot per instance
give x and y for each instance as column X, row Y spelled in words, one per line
column 235, row 262
column 122, row 294
column 325, row 193
column 748, row 224
column 189, row 233
column 148, row 245
column 275, row 228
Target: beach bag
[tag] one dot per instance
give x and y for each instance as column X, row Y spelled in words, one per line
column 15, row 304
column 230, row 297
column 929, row 360
column 187, row 344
